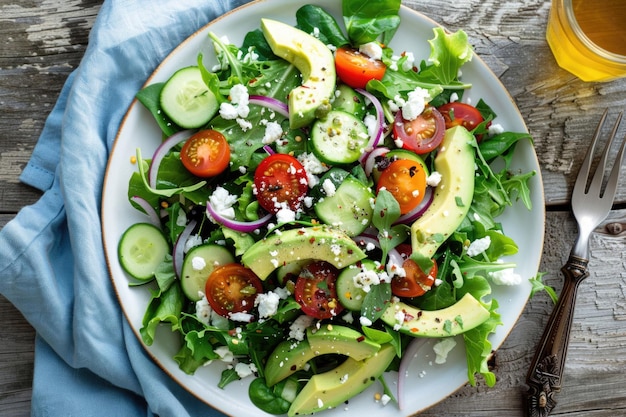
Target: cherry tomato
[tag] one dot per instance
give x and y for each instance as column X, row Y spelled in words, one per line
column 206, row 153
column 423, row 134
column 232, row 288
column 356, row 69
column 406, row 181
column 415, row 282
column 315, row 290
column 280, row 178
column 461, row 114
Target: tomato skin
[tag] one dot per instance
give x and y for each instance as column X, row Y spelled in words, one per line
column 406, row 181
column 206, row 153
column 280, row 178
column 356, row 69
column 422, row 135
column 416, row 282
column 315, row 290
column 461, row 114
column 232, row 288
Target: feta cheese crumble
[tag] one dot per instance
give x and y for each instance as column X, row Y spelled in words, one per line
column 442, row 349
column 478, row 246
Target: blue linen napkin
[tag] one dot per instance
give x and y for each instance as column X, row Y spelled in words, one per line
column 88, row 361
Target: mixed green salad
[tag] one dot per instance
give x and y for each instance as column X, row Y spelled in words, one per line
column 317, row 192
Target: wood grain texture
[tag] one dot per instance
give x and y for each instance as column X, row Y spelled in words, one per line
column 42, row 41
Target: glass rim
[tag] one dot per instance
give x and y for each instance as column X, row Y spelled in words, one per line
column 606, row 54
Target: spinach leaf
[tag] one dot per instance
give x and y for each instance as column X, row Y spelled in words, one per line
column 367, row 20
column 150, row 97
column 315, row 20
column 276, row 399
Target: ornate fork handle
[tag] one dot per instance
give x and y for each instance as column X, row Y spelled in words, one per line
column 545, row 375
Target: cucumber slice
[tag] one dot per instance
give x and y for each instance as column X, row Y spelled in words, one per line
column 187, row 100
column 141, row 250
column 349, row 295
column 339, row 138
column 350, row 208
column 198, row 264
column 348, row 100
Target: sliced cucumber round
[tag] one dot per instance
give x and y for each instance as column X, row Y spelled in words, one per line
column 187, row 100
column 339, row 138
column 348, row 100
column 198, row 264
column 349, row 295
column 350, row 208
column 141, row 250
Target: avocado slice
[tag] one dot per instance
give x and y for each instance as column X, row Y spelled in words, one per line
column 460, row 317
column 317, row 242
column 290, row 356
column 453, row 195
column 329, row 389
column 314, row 61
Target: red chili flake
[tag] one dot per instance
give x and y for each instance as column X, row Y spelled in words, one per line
column 312, row 240
column 414, row 330
column 360, row 339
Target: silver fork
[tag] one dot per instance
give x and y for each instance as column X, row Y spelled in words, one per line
column 590, row 206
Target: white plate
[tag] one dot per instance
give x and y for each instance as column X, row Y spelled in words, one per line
column 429, row 383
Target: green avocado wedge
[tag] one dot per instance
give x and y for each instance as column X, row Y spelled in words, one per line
column 460, row 317
column 316, row 242
column 314, row 61
column 332, row 388
column 455, row 161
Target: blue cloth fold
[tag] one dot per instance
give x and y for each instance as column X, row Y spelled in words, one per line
column 88, row 361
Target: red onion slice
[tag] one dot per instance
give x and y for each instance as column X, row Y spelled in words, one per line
column 271, row 103
column 163, row 150
column 150, row 211
column 407, row 357
column 179, row 247
column 244, row 227
column 375, row 138
column 370, row 160
column 414, row 214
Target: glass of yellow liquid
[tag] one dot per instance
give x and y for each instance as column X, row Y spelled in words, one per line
column 588, row 37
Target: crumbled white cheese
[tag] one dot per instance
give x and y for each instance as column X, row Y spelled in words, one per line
column 285, row 215
column 191, row 242
column 385, row 399
column 198, row 263
column 365, row 279
column 329, row 187
column 245, row 369
column 372, row 50
column 273, row 132
column 433, row 179
column 505, row 277
column 495, row 129
column 442, row 348
column 365, row 321
column 242, row 317
column 238, row 106
column 478, row 246
column 267, row 304
column 203, row 309
column 409, row 62
column 415, row 104
column 312, row 167
column 225, row 354
column 181, row 219
column 222, row 202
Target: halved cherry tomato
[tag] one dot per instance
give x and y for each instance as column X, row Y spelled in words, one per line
column 206, row 153
column 356, row 69
column 315, row 290
column 461, row 114
column 415, row 282
column 423, row 134
column 406, row 181
column 280, row 178
column 232, row 288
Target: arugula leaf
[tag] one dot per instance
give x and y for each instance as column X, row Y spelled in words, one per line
column 168, row 192
column 367, row 20
column 165, row 306
column 538, row 285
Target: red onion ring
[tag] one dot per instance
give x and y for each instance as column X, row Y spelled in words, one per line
column 374, row 139
column 179, row 247
column 271, row 103
column 244, row 227
column 370, row 160
column 414, row 214
column 407, row 357
column 162, row 150
column 150, row 211
column 393, row 254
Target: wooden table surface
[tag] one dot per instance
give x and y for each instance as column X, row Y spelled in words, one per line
column 42, row 41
